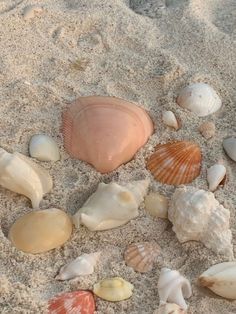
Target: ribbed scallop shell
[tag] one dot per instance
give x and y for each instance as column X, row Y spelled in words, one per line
column 175, row 163
column 142, row 256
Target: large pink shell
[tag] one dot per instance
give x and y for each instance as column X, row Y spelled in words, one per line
column 105, row 131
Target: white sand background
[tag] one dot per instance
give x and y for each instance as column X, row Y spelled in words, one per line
column 143, row 51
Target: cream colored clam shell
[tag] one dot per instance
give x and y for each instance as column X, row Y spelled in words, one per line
column 44, row 148
column 215, row 175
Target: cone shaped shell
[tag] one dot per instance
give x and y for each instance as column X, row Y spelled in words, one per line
column 175, row 163
column 105, row 131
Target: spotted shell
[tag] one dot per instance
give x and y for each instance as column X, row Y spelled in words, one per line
column 175, row 162
column 142, row 256
column 81, row 302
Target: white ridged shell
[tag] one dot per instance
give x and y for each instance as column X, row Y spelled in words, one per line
column 44, row 148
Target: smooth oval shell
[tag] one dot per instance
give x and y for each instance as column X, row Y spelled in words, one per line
column 40, row 231
column 113, row 289
column 81, row 302
column 175, row 162
column 215, row 176
column 156, row 205
column 44, row 148
column 229, row 145
column 105, row 131
column 142, row 256
column 199, row 98
column 169, row 308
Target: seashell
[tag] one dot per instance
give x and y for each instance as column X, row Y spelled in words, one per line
column 221, row 279
column 80, row 302
column 169, row 308
column 40, row 231
column 44, row 148
column 81, row 266
column 20, row 174
column 197, row 216
column 229, row 145
column 207, row 129
column 173, row 287
column 156, row 205
column 112, row 205
column 113, row 289
column 215, row 175
column 31, row 11
column 175, row 162
column 200, row 98
column 106, row 132
column 142, row 256
column 169, row 119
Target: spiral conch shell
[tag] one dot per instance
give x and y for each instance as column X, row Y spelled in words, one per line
column 196, row 215
column 169, row 308
column 112, row 205
column 105, row 131
column 221, row 279
column 21, row 175
column 173, row 287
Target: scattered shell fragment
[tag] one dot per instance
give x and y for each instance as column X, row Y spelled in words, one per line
column 215, row 175
column 112, row 205
column 197, row 216
column 221, row 279
column 169, row 308
column 156, row 205
column 40, row 231
column 106, row 132
column 81, row 266
column 142, row 256
column 31, row 11
column 44, row 148
column 173, row 287
column 229, row 145
column 113, row 289
column 175, row 162
column 20, row 174
column 207, row 129
column 80, row 302
column 199, row 98
column 169, row 119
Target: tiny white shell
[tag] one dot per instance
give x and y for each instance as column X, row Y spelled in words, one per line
column 215, row 175
column 44, row 148
column 156, row 205
column 199, row 98
column 229, row 145
column 31, row 11
column 169, row 119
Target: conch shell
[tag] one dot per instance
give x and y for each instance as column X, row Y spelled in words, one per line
column 169, row 308
column 112, row 205
column 221, row 279
column 105, row 131
column 196, row 215
column 173, row 287
column 21, row 175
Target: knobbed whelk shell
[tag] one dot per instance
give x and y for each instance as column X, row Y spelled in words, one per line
column 156, row 205
column 44, row 148
column 215, row 175
column 173, row 287
column 197, row 216
column 40, row 231
column 113, row 289
column 81, row 266
column 21, row 175
column 106, row 132
column 221, row 279
column 112, row 205
column 229, row 145
column 175, row 162
column 142, row 256
column 169, row 308
column 170, row 120
column 199, row 98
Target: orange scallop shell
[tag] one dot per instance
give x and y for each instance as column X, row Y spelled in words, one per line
column 81, row 302
column 175, row 163
column 105, row 131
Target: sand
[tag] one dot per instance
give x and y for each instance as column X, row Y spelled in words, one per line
column 145, row 52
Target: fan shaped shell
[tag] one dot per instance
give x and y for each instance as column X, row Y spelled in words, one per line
column 141, row 256
column 105, row 131
column 175, row 163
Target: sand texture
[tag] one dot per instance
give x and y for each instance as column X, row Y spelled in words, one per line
column 144, row 51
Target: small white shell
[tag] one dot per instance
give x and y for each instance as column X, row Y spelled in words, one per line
column 81, row 266
column 215, row 175
column 207, row 129
column 156, row 205
column 170, row 120
column 44, row 148
column 31, row 11
column 229, row 145
column 169, row 308
column 199, row 98
column 221, row 279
